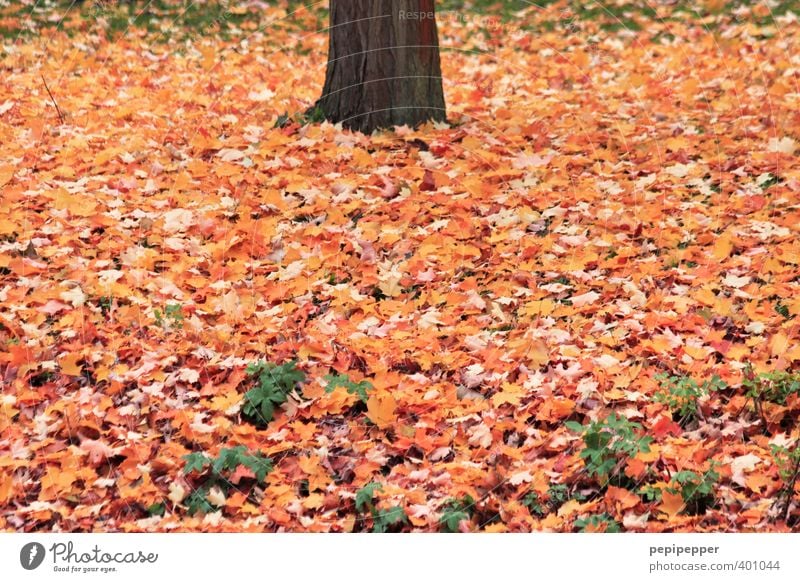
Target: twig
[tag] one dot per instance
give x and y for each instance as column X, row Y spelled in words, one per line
column 790, row 488
column 60, row 115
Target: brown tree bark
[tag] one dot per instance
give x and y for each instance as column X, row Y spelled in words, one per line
column 383, row 65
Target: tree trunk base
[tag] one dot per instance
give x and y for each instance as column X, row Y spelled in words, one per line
column 383, row 65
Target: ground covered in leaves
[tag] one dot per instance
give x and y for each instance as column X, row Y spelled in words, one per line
column 574, row 308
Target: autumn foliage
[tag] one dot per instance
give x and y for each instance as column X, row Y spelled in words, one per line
column 572, row 308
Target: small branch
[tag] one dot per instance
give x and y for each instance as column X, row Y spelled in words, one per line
column 790, row 489
column 60, row 115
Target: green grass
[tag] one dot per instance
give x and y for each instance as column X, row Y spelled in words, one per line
column 612, row 15
column 165, row 20
column 178, row 20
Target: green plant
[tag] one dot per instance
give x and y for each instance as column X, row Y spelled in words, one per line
column 215, row 472
column 171, row 318
column 274, row 385
column 609, row 441
column 534, row 504
column 366, row 496
column 343, row 381
column 788, row 461
column 601, row 523
column 650, row 493
column 696, row 489
column 782, row 310
column 105, row 302
column 156, row 509
column 558, row 494
column 768, row 180
column 682, row 393
column 455, row 511
column 312, row 115
column 382, row 519
column 773, row 387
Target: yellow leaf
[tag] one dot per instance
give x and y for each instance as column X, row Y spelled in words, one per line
column 614, row 394
column 570, row 507
column 696, row 352
column 623, row 497
column 778, row 343
column 209, row 55
column 706, row 296
column 509, row 393
column 390, row 285
column 6, row 173
column 273, row 197
column 314, row 501
column 671, row 504
column 539, row 354
column 794, row 306
column 223, row 402
column 715, row 5
column 76, row 204
column 362, row 159
column 542, row 307
column 381, row 409
column 552, row 522
column 69, row 365
column 6, row 488
column 651, row 456
column 581, row 59
column 723, row 247
column 758, row 481
column 738, row 353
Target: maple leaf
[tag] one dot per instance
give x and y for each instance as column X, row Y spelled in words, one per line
column 365, row 496
column 274, row 384
column 671, row 504
column 381, row 407
column 621, row 497
column 98, row 451
column 196, row 462
column 69, row 364
column 784, row 145
column 741, row 464
column 6, row 173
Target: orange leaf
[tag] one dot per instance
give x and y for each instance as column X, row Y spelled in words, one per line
column 381, row 409
column 539, row 354
column 76, row 204
column 622, row 497
column 778, row 343
column 635, row 469
column 758, row 481
column 69, row 364
column 723, row 247
column 671, row 504
column 6, row 173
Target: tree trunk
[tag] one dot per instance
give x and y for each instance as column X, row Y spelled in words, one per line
column 383, row 65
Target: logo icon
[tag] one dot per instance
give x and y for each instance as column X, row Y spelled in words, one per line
column 31, row 555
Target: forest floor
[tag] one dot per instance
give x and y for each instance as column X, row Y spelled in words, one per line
column 572, row 308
